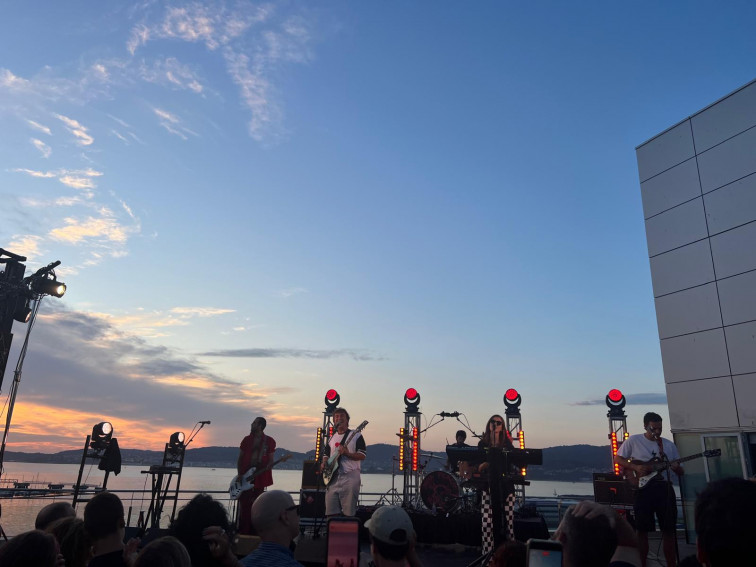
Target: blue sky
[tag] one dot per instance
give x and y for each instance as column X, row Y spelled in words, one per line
column 254, row 203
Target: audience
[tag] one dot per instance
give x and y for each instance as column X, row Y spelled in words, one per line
column 392, row 538
column 201, row 512
column 31, row 549
column 73, row 540
column 594, row 535
column 725, row 517
column 164, row 552
column 104, row 522
column 511, row 553
column 52, row 512
column 275, row 518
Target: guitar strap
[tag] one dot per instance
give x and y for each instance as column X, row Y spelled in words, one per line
column 661, row 446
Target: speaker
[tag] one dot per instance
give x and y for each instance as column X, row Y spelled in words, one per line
column 612, row 489
column 310, row 479
column 312, row 504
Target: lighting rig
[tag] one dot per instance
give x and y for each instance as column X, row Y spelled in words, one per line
column 615, row 401
column 19, row 302
column 102, row 447
column 409, row 446
column 512, row 401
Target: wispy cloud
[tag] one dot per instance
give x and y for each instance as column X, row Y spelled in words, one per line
column 651, row 398
column 106, row 228
column 43, row 148
column 173, row 124
column 171, row 73
column 80, row 132
column 284, row 293
column 202, row 311
column 40, row 127
column 355, row 354
column 74, row 178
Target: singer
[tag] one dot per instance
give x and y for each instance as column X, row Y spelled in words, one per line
column 657, row 498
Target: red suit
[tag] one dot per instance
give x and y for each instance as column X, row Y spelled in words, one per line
column 255, row 451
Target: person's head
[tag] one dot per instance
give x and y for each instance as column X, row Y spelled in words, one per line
column 73, row 539
column 163, row 552
column 651, row 419
column 391, row 532
column 341, row 417
column 103, row 516
column 30, row 549
column 586, row 542
column 461, row 436
column 275, row 516
column 511, row 553
column 52, row 512
column 199, row 513
column 495, row 431
column 258, row 425
column 725, row 522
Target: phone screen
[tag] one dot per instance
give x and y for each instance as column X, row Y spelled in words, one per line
column 343, row 542
column 544, row 553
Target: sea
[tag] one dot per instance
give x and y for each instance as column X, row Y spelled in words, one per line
column 133, row 485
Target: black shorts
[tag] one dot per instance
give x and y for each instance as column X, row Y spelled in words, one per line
column 656, row 499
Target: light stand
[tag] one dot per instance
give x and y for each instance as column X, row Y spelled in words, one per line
column 409, row 440
column 99, row 446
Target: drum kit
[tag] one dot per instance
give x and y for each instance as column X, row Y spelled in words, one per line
column 446, row 493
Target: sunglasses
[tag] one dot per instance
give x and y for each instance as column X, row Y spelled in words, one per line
column 295, row 507
column 496, row 422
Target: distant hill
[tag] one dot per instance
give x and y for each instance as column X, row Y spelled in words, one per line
column 572, row 463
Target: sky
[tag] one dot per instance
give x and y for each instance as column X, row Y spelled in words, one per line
column 253, row 203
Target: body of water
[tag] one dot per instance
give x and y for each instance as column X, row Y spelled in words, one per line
column 133, row 486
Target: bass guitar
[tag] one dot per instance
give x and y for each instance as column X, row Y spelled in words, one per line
column 331, row 467
column 244, row 482
column 658, row 465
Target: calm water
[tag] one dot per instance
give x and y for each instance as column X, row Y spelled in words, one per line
column 134, row 488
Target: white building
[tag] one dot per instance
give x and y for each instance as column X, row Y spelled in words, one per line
column 698, row 183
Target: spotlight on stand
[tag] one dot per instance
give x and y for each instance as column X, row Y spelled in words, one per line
column 615, row 401
column 174, row 449
column 48, row 286
column 102, row 433
column 411, row 400
column 332, row 400
column 512, row 400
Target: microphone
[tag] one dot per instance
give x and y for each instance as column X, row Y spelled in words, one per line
column 447, row 414
column 205, row 422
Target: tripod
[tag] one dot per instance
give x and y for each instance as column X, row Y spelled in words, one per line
column 391, row 497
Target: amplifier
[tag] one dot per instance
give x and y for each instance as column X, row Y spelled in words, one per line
column 612, row 489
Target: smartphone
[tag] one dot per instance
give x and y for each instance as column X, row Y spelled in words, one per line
column 343, row 542
column 544, row 553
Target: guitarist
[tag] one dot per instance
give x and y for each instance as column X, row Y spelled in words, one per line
column 256, row 450
column 343, row 491
column 657, row 498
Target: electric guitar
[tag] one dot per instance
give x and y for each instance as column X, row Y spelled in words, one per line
column 247, row 480
column 658, row 465
column 331, row 467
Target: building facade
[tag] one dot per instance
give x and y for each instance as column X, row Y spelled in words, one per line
column 698, row 185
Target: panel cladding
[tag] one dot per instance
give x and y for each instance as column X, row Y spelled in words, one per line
column 689, row 311
column 734, row 251
column 702, row 404
column 729, row 161
column 737, row 298
column 725, row 119
column 666, row 150
column 745, row 394
column 676, row 227
column 732, row 205
column 696, row 356
column 671, row 188
column 682, row 268
column 741, row 344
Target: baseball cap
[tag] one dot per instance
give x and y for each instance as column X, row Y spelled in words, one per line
column 390, row 524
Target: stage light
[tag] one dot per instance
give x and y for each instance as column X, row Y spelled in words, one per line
column 177, row 440
column 101, row 435
column 512, row 400
column 46, row 286
column 401, row 448
column 415, row 449
column 332, row 400
column 615, row 401
column 411, row 400
column 318, row 444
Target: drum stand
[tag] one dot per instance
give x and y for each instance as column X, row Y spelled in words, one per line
column 392, row 497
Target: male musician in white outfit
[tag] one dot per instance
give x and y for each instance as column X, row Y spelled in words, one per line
column 343, row 491
column 657, row 498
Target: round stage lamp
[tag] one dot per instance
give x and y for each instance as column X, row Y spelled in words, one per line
column 101, row 435
column 332, row 400
column 46, row 286
column 411, row 400
column 177, row 439
column 615, row 401
column 512, row 398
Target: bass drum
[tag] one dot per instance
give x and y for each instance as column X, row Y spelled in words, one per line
column 440, row 491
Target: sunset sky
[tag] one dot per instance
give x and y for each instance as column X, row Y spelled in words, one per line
column 256, row 202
